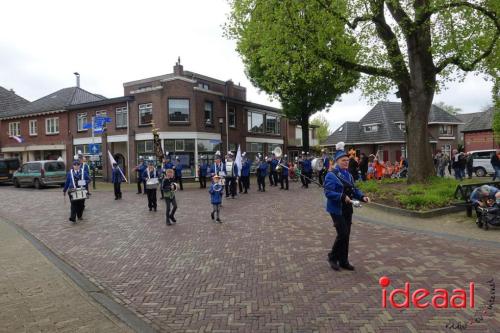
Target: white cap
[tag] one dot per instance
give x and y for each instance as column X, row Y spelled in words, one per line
column 75, row 157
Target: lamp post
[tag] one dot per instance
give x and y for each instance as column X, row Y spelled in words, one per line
column 221, row 124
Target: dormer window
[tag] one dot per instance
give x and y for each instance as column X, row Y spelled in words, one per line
column 203, row 85
column 400, row 125
column 341, row 128
column 371, row 128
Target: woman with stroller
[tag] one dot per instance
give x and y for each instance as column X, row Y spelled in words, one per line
column 482, row 197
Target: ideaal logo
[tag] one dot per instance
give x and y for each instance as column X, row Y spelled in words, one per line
column 439, row 299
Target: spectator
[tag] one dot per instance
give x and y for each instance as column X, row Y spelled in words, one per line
column 379, row 168
column 442, row 162
column 353, row 165
column 469, row 164
column 363, row 166
column 495, row 163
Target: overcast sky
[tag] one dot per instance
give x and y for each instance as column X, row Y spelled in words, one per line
column 111, row 42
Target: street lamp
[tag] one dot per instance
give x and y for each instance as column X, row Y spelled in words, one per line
column 221, row 124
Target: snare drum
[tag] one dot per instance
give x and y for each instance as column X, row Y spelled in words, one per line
column 78, row 194
column 152, row 183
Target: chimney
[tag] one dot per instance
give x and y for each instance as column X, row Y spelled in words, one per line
column 178, row 69
column 77, row 79
column 12, row 91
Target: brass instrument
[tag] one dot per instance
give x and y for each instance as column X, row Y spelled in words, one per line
column 174, row 187
column 217, row 187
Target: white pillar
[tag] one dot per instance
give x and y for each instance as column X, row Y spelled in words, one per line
column 196, row 159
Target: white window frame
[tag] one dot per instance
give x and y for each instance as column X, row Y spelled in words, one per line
column 371, row 128
column 33, row 127
column 443, row 130
column 119, row 114
column 188, row 108
column 203, row 85
column 80, row 123
column 178, row 148
column 52, row 126
column 250, row 124
column 142, row 107
column 14, row 128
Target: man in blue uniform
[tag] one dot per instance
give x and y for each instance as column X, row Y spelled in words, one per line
column 76, row 179
column 231, row 175
column 273, row 174
column 178, row 172
column 244, row 182
column 326, row 166
column 218, row 168
column 261, row 174
column 140, row 168
column 202, row 172
column 117, row 179
column 307, row 169
column 284, row 173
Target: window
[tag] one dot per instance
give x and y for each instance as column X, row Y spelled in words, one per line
column 446, row 130
column 14, row 129
column 145, row 150
column 202, row 85
column 484, row 155
column 54, row 166
column 255, row 147
column 121, row 115
column 145, row 113
column 446, row 149
column 179, row 145
column 255, row 122
column 52, row 125
column 272, row 124
column 101, row 113
column 401, row 126
column 178, row 110
column 34, row 167
column 371, row 128
column 81, row 120
column 209, row 113
column 33, row 127
column 232, row 118
column 341, row 128
column 272, row 146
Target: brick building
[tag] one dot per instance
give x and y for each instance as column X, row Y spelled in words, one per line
column 478, row 132
column 382, row 131
column 42, row 126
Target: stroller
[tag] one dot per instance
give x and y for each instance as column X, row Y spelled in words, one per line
column 487, row 216
column 401, row 173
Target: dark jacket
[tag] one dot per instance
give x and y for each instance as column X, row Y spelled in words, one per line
column 116, row 176
column 215, row 196
column 334, row 190
column 73, row 183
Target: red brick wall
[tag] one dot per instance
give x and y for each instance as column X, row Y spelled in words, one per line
column 110, row 127
column 479, row 141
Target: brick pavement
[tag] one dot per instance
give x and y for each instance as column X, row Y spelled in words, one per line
column 263, row 270
column 37, row 297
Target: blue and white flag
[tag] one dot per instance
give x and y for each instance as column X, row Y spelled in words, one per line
column 18, row 138
column 238, row 159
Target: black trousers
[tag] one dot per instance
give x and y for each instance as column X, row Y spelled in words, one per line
column 275, row 178
column 170, row 203
column 118, row 191
column 244, row 183
column 77, row 207
column 139, row 182
column 322, row 175
column 340, row 248
column 178, row 180
column 284, row 180
column 271, row 179
column 230, row 186
column 306, row 181
column 151, row 198
column 203, row 182
column 363, row 174
column 261, row 181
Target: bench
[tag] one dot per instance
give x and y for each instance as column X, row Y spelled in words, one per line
column 464, row 191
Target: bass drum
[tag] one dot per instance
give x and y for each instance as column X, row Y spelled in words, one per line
column 317, row 164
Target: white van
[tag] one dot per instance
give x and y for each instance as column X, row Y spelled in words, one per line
column 482, row 162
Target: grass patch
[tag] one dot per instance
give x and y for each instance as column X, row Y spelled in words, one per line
column 395, row 192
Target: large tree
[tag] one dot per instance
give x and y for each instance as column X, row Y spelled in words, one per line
column 278, row 62
column 411, row 47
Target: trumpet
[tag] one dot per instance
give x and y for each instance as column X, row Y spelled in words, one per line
column 173, row 187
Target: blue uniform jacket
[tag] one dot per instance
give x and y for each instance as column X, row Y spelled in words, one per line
column 168, row 165
column 116, row 176
column 326, row 162
column 152, row 174
column 178, row 170
column 215, row 197
column 263, row 169
column 274, row 163
column 307, row 165
column 203, row 169
column 141, row 170
column 78, row 176
column 285, row 170
column 215, row 169
column 475, row 197
column 333, row 191
column 245, row 169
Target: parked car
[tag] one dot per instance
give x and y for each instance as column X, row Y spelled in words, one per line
column 482, row 162
column 7, row 168
column 40, row 173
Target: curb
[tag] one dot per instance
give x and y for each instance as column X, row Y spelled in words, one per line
column 125, row 315
column 418, row 214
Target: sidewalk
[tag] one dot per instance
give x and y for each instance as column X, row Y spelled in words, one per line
column 454, row 225
column 35, row 296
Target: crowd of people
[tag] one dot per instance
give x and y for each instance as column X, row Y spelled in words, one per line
column 462, row 164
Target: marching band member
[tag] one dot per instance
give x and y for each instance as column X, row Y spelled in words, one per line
column 76, row 178
column 231, row 175
column 218, row 168
column 307, row 170
column 326, row 166
column 151, row 173
column 169, row 195
column 284, row 173
column 140, row 168
column 216, row 192
column 178, row 172
column 165, row 166
column 202, row 173
column 244, row 182
column 273, row 174
column 117, row 179
column 85, row 168
column 261, row 174
column 339, row 190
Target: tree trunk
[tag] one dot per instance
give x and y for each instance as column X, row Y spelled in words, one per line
column 304, row 123
column 416, row 97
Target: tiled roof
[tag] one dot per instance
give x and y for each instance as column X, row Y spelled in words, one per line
column 56, row 101
column 481, row 121
column 9, row 101
column 386, row 115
